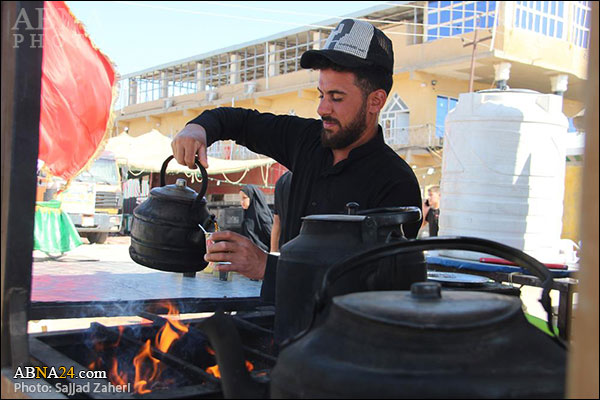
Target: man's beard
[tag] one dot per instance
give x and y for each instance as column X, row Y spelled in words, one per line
column 346, row 135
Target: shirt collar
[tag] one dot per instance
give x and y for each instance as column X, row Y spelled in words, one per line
column 355, row 154
column 375, row 143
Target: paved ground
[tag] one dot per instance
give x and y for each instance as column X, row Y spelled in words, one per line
column 106, row 272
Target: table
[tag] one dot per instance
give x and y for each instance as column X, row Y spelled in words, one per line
column 564, row 283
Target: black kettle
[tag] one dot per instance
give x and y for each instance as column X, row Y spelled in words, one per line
column 327, row 239
column 422, row 343
column 165, row 231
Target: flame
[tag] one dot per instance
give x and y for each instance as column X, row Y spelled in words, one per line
column 173, row 311
column 121, row 328
column 165, row 338
column 144, row 375
column 147, row 367
column 117, row 378
column 214, row 370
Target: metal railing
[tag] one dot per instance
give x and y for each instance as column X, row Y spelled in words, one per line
column 247, row 64
column 415, row 135
column 229, row 150
column 410, row 136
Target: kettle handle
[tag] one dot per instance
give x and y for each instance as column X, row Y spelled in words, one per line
column 434, row 243
column 404, row 214
column 163, row 171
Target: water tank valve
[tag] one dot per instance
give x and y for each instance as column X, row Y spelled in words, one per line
column 501, row 75
column 559, row 84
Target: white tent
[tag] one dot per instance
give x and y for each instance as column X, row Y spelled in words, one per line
column 148, row 152
column 120, row 146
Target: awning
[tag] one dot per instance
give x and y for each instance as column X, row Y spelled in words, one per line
column 146, row 153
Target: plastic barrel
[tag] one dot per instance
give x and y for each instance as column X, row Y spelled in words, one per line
column 503, row 171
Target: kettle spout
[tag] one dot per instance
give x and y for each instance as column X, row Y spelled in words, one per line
column 236, row 382
column 197, row 238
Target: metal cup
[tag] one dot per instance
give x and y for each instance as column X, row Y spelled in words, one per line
column 212, row 266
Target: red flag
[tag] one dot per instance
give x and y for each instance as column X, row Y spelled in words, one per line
column 77, row 93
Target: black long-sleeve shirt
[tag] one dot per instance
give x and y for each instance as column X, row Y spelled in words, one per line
column 373, row 175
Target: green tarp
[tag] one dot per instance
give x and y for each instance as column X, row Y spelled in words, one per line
column 54, row 232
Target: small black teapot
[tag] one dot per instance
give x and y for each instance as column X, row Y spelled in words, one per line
column 167, row 231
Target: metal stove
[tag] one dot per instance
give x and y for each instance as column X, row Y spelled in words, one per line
column 183, row 370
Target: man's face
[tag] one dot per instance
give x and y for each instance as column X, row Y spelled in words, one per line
column 342, row 109
column 434, row 197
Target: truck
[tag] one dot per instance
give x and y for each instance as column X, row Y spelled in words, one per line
column 94, row 199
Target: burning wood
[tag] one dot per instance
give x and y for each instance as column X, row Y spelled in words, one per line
column 214, row 370
column 148, row 368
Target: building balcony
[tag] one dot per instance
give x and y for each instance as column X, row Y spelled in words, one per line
column 539, row 39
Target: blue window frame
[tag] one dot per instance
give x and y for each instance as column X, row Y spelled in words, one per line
column 571, row 126
column 550, row 18
column 450, row 18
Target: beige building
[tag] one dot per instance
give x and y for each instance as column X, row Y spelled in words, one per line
column 435, row 60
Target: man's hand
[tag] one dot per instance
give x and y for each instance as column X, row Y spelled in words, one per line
column 426, row 208
column 245, row 257
column 189, row 142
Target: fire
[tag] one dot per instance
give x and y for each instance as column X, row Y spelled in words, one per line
column 143, row 374
column 249, row 366
column 165, row 338
column 147, row 367
column 214, row 370
column 117, row 378
column 173, row 311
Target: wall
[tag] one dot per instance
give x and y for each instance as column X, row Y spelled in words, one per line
column 572, row 211
column 296, row 92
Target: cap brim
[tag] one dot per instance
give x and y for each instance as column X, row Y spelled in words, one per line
column 310, row 57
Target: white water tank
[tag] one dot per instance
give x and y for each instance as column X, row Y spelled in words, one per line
column 503, row 171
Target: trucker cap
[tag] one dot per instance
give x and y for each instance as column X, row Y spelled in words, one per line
column 354, row 44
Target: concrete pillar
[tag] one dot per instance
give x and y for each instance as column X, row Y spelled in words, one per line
column 133, row 88
column 200, row 77
column 274, row 58
column 234, row 69
column 505, row 13
column 164, row 85
column 316, row 38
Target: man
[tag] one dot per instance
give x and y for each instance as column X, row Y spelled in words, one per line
column 335, row 160
column 280, row 205
column 431, row 210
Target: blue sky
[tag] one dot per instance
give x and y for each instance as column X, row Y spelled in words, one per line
column 140, row 35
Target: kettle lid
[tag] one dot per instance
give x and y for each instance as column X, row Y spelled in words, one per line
column 178, row 191
column 426, row 307
column 335, row 218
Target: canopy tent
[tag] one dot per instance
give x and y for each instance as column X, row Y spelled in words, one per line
column 148, row 152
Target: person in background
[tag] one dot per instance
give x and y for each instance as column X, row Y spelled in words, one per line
column 282, row 195
column 431, row 210
column 258, row 219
